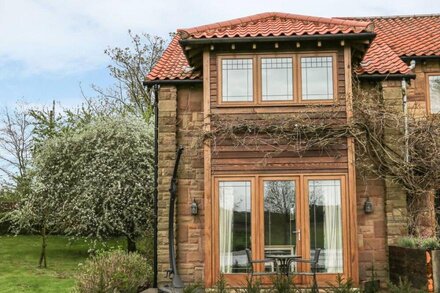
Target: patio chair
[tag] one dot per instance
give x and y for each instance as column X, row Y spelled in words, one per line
column 314, row 267
column 252, row 262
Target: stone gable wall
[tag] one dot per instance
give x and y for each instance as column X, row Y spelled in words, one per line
column 180, row 123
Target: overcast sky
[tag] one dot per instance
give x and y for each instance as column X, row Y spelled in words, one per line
column 49, row 47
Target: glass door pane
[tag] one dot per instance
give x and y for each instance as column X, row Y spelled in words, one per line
column 235, row 225
column 325, row 224
column 280, row 223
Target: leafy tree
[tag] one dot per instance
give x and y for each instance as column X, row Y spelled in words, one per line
column 129, row 67
column 101, row 176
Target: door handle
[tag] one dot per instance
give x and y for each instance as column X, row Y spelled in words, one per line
column 298, row 233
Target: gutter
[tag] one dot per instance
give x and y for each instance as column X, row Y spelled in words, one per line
column 388, row 76
column 170, row 81
column 420, row 58
column 277, row 39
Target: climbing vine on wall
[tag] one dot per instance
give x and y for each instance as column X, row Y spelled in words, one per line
column 384, row 149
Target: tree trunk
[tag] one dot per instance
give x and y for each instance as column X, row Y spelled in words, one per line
column 422, row 209
column 131, row 245
column 43, row 262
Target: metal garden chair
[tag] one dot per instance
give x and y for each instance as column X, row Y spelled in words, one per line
column 314, row 267
column 252, row 262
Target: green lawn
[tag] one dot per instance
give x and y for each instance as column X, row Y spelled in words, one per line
column 19, row 270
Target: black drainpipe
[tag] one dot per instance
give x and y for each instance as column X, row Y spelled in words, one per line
column 156, row 161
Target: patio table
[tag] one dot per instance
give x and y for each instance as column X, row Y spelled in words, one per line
column 284, row 261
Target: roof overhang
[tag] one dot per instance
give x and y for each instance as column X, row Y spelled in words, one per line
column 420, row 57
column 207, row 41
column 388, row 76
column 171, row 81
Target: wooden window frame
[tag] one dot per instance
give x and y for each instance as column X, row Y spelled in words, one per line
column 257, row 220
column 257, row 78
column 334, row 76
column 428, row 93
column 260, row 80
column 220, row 59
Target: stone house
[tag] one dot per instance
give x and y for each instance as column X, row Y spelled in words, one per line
column 279, row 64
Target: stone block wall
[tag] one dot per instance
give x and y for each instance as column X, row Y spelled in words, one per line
column 180, row 123
column 395, row 203
column 372, row 236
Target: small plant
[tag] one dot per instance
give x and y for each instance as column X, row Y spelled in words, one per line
column 114, row 271
column 373, row 284
column 252, row 286
column 404, row 286
column 342, row 286
column 430, row 243
column 193, row 288
column 221, row 284
column 283, row 284
column 408, row 242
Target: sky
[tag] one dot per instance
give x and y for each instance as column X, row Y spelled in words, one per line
column 50, row 49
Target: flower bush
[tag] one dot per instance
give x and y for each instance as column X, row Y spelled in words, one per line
column 114, row 271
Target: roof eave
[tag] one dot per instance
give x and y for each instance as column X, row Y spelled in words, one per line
column 207, row 41
column 170, row 81
column 386, row 76
column 420, row 57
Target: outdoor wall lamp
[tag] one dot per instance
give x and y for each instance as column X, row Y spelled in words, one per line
column 194, row 208
column 368, row 206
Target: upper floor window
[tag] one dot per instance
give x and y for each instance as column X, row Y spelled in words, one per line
column 317, row 78
column 276, row 79
column 237, row 81
column 434, row 93
column 282, row 78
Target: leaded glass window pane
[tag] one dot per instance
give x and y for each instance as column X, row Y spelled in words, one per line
column 317, row 78
column 434, row 93
column 237, row 82
column 276, row 76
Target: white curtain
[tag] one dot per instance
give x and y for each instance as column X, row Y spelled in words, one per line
column 226, row 216
column 331, row 196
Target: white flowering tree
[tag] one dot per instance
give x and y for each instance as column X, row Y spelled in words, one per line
column 101, row 175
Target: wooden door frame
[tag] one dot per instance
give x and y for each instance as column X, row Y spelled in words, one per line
column 257, row 219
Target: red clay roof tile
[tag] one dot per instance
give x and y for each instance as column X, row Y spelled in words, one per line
column 396, row 37
column 381, row 59
column 276, row 24
column 173, row 64
column 400, row 36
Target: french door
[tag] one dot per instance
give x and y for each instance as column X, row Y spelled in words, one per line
column 280, row 215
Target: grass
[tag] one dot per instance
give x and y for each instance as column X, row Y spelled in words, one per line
column 19, row 270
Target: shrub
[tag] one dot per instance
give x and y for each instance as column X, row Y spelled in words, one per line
column 408, row 242
column 114, row 271
column 424, row 243
column 430, row 243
